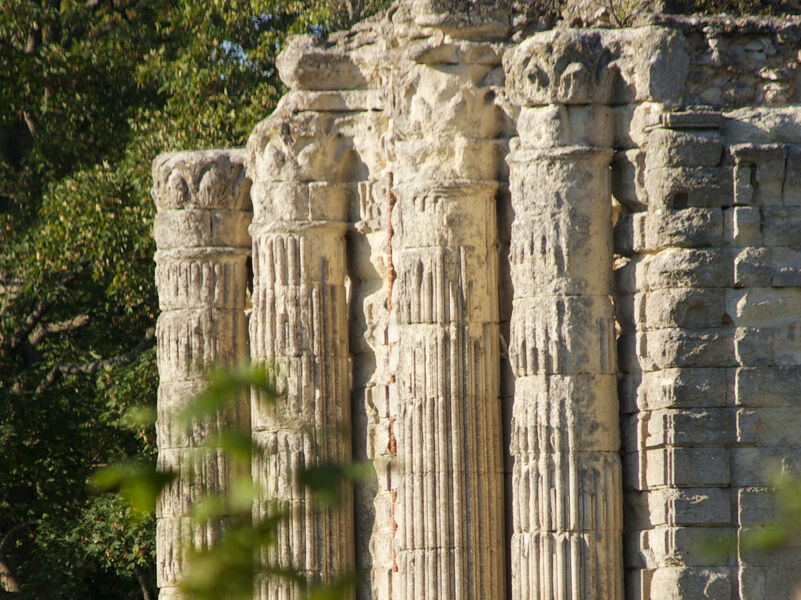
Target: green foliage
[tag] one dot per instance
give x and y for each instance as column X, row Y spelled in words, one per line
column 785, row 529
column 226, row 569
column 771, row 537
column 324, row 481
column 90, row 92
column 136, row 481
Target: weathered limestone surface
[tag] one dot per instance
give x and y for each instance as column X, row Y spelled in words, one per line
column 707, row 306
column 302, row 175
column 445, row 355
column 566, row 487
column 203, row 201
column 493, row 261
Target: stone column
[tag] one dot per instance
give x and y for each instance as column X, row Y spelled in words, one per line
column 566, row 496
column 565, row 439
column 300, row 324
column 449, row 541
column 445, row 344
column 203, row 201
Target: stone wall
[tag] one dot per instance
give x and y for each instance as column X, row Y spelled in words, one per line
column 550, row 282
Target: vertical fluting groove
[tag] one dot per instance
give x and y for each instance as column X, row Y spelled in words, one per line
column 202, row 283
column 567, row 536
column 451, row 489
column 299, row 323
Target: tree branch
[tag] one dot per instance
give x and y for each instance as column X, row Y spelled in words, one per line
column 92, row 368
column 27, row 325
column 8, row 583
column 613, row 13
column 32, row 319
column 140, row 577
column 42, row 330
column 10, row 290
column 30, row 123
column 14, row 529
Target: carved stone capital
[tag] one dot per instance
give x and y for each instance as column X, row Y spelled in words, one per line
column 203, row 200
column 592, row 66
column 201, row 179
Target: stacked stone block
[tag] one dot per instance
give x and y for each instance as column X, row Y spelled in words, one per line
column 764, row 303
column 676, row 345
column 445, row 354
column 299, row 325
column 700, row 305
column 203, row 201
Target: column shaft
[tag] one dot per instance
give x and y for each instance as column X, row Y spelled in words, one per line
column 201, row 233
column 567, row 523
column 450, row 508
column 300, row 324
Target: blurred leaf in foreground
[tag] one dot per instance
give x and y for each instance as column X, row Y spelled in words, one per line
column 138, row 482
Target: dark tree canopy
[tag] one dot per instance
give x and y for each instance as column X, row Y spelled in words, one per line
column 90, row 92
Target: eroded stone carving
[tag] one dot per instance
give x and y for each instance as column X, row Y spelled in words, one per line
column 203, row 201
column 506, row 264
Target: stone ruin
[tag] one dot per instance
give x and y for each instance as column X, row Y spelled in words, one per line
column 551, row 281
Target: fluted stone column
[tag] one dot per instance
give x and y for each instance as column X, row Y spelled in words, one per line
column 445, row 303
column 203, row 201
column 300, row 324
column 567, row 530
column 444, row 336
column 565, row 433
